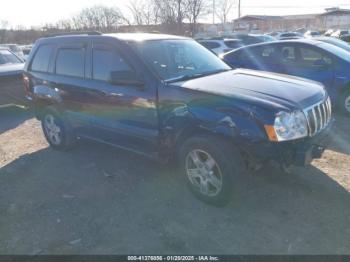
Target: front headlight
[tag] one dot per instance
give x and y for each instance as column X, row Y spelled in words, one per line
column 288, row 126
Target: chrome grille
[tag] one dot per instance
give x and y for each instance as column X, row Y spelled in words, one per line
column 318, row 116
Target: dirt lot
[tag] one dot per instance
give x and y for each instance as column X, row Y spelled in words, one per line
column 99, row 200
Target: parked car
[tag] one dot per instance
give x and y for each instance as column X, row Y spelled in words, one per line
column 11, row 84
column 334, row 41
column 315, row 60
column 345, row 38
column 164, row 96
column 26, row 50
column 340, row 33
column 14, row 49
column 248, row 39
column 265, row 38
column 329, row 32
column 288, row 36
column 310, row 34
column 220, row 46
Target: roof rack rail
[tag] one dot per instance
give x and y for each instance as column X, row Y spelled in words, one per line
column 74, row 33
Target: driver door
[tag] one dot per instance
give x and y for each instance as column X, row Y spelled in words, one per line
column 123, row 114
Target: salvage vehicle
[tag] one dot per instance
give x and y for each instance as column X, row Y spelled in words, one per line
column 168, row 97
column 11, row 84
column 313, row 59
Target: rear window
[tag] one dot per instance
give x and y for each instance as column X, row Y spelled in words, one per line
column 289, row 35
column 233, row 44
column 6, row 57
column 70, row 62
column 210, row 45
column 42, row 57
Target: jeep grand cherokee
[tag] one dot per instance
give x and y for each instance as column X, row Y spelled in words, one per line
column 165, row 96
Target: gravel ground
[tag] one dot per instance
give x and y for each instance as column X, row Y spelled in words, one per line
column 99, row 200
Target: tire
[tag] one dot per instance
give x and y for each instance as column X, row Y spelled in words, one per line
column 58, row 132
column 210, row 167
column 344, row 104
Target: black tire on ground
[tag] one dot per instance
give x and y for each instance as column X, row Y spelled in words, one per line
column 228, row 168
column 57, row 131
column 344, row 103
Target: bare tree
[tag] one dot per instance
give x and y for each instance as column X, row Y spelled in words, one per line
column 99, row 18
column 172, row 14
column 223, row 9
column 3, row 26
column 144, row 12
column 65, row 25
column 195, row 8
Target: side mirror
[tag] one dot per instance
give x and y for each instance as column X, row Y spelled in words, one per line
column 128, row 78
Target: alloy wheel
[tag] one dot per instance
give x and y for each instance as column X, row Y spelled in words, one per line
column 204, row 173
column 53, row 131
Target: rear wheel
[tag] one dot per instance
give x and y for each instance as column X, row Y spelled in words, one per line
column 345, row 103
column 58, row 133
column 210, row 167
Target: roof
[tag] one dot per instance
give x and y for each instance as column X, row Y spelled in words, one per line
column 258, row 17
column 336, row 12
column 119, row 36
column 306, row 16
column 143, row 36
column 302, row 40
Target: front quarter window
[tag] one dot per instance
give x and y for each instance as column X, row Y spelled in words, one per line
column 171, row 59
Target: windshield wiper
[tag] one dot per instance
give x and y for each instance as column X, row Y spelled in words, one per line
column 189, row 77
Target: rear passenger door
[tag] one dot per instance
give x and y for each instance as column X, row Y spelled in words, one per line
column 70, row 68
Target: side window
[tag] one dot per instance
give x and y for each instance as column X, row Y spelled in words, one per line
column 311, row 57
column 247, row 55
column 288, row 54
column 42, row 58
column 70, row 62
column 267, row 52
column 106, row 62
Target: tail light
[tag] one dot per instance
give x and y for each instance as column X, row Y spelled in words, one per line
column 26, row 83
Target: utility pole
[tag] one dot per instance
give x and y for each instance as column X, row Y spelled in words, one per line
column 213, row 12
column 239, row 8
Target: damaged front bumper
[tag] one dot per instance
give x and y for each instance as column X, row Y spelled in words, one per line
column 298, row 153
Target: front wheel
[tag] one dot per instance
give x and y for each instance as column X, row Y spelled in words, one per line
column 56, row 131
column 211, row 168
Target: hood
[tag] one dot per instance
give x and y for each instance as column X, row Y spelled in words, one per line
column 11, row 69
column 264, row 88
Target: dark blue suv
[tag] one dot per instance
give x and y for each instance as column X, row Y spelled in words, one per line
column 169, row 97
column 315, row 60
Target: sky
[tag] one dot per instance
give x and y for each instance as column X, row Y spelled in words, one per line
column 38, row 12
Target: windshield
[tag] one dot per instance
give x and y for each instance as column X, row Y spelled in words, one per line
column 172, row 59
column 6, row 57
